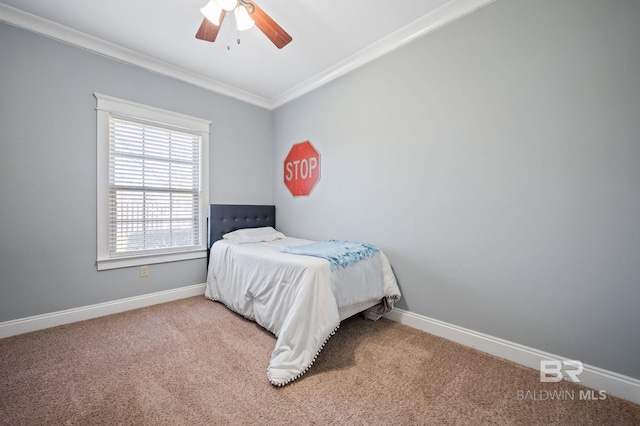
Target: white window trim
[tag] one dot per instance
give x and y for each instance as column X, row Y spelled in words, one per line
column 106, row 105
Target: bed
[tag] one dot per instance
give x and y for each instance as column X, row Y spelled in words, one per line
column 301, row 299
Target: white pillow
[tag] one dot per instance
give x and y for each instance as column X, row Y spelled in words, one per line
column 253, row 235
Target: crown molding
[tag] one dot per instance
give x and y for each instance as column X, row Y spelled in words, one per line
column 428, row 23
column 47, row 28
column 445, row 14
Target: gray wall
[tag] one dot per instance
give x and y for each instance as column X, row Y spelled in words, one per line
column 497, row 163
column 48, row 171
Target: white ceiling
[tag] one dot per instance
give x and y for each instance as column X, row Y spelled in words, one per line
column 330, row 38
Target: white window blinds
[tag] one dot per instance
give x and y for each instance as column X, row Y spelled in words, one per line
column 154, row 182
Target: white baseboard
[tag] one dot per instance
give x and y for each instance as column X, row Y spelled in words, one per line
column 40, row 322
column 596, row 378
column 592, row 377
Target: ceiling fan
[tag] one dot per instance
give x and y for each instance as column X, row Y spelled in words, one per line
column 246, row 14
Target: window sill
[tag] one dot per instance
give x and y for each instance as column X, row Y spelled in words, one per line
column 126, row 262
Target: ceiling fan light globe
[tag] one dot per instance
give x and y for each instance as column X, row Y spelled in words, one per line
column 243, row 20
column 212, row 12
column 227, row 5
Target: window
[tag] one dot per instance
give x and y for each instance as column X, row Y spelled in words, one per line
column 152, row 184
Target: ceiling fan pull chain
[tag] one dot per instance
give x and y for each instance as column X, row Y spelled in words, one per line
column 229, row 33
column 237, row 27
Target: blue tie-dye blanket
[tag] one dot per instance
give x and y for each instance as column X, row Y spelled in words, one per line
column 338, row 253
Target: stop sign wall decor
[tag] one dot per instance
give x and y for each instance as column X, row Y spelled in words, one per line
column 302, row 169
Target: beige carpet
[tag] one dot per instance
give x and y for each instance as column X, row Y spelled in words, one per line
column 193, row 362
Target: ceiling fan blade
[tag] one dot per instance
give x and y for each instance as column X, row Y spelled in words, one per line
column 268, row 26
column 208, row 31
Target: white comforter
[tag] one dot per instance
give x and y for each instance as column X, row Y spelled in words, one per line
column 295, row 297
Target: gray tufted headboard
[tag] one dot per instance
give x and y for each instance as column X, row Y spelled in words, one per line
column 225, row 218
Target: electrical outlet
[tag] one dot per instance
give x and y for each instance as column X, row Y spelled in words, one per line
column 144, row 271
